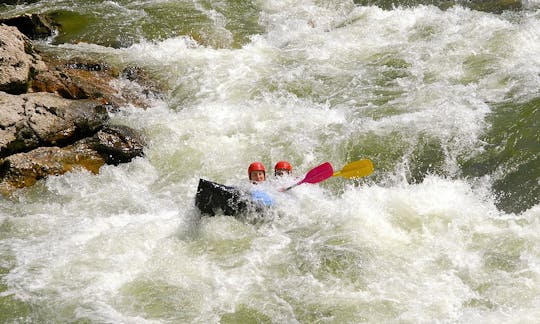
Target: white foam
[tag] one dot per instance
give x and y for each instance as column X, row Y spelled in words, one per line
column 127, row 245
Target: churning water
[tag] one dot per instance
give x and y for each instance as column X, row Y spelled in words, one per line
column 446, row 104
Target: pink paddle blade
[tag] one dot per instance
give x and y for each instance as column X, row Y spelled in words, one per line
column 319, row 173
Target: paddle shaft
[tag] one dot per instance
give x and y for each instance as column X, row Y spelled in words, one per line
column 294, row 185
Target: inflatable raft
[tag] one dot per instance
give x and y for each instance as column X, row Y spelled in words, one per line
column 215, row 199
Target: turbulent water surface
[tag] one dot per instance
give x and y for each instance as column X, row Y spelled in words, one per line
column 446, row 104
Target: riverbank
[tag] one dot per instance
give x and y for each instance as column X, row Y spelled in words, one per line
column 55, row 112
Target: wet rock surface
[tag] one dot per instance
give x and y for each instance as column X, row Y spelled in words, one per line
column 44, row 119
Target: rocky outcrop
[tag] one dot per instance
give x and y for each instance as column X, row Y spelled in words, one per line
column 54, row 114
column 44, row 119
column 111, row 145
column 34, row 26
column 116, row 144
column 25, row 169
column 79, row 78
column 18, row 62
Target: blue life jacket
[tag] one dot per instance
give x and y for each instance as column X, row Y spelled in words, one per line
column 262, row 198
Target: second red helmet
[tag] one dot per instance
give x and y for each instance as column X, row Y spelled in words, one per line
column 283, row 165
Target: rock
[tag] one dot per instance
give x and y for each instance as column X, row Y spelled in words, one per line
column 18, row 62
column 117, row 144
column 56, row 120
column 12, row 121
column 24, row 169
column 54, row 112
column 111, row 145
column 148, row 87
column 80, row 78
column 33, row 26
column 45, row 119
column 77, row 79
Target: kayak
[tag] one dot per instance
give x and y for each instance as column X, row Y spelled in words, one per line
column 213, row 199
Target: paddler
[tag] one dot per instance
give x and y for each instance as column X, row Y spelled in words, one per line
column 257, row 175
column 282, row 168
column 256, row 172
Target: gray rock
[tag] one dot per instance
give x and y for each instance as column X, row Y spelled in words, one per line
column 11, row 119
column 45, row 119
column 118, row 144
column 58, row 121
column 18, row 62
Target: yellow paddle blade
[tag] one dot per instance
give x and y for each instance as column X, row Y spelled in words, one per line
column 356, row 169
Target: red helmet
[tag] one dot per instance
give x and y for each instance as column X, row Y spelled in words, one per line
column 256, row 166
column 283, row 165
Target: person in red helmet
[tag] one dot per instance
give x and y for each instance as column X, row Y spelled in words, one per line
column 282, row 168
column 256, row 172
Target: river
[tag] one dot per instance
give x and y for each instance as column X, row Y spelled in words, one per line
column 446, row 104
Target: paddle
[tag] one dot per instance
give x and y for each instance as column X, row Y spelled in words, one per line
column 356, row 169
column 315, row 175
